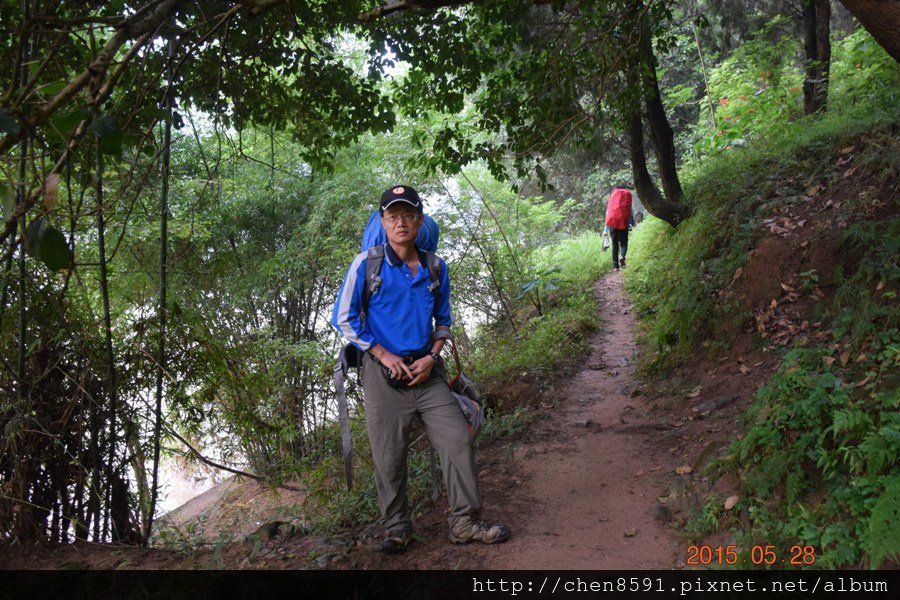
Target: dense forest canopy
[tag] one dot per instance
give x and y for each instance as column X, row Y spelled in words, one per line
column 183, row 183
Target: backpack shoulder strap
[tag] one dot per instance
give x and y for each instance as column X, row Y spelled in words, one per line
column 434, row 268
column 374, row 260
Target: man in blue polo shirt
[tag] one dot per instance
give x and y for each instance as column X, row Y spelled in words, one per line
column 403, row 376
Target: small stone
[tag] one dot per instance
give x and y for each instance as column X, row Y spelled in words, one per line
column 324, row 561
column 631, row 532
column 342, row 561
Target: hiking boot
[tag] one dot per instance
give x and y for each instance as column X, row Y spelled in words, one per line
column 473, row 529
column 395, row 542
column 622, row 262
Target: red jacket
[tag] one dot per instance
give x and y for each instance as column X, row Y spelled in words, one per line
column 618, row 211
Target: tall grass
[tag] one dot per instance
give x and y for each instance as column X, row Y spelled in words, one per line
column 549, row 346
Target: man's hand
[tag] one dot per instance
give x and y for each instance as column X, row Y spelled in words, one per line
column 421, row 369
column 399, row 369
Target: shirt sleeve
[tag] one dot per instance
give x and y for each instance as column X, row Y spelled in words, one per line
column 442, row 311
column 346, row 317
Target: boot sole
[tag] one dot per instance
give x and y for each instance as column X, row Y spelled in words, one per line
column 456, row 540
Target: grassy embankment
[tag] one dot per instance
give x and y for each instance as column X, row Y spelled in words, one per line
column 818, row 460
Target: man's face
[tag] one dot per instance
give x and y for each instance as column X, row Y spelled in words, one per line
column 401, row 223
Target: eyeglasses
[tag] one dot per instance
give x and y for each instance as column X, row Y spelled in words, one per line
column 405, row 217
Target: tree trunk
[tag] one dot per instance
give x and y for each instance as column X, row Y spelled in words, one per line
column 823, row 47
column 881, row 18
column 817, row 46
column 111, row 467
column 163, row 262
column 663, row 137
column 650, row 196
column 670, row 212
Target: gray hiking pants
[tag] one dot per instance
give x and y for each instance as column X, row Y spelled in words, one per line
column 389, row 415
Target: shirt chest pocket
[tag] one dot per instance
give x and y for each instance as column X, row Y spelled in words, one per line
column 404, row 297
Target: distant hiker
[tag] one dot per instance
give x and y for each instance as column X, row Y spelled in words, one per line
column 619, row 219
column 403, row 375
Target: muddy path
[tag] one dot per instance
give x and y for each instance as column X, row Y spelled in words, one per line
column 595, row 477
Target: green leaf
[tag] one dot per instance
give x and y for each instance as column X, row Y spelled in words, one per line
column 52, row 89
column 48, row 245
column 881, row 538
column 55, row 252
column 8, row 123
column 7, row 201
column 107, row 129
column 33, row 234
column 68, row 121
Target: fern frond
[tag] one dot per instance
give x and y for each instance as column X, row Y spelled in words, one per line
column 881, row 540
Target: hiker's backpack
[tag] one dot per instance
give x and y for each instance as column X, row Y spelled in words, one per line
column 373, row 241
column 375, row 235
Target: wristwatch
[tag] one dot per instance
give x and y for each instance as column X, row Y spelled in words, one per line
column 435, row 356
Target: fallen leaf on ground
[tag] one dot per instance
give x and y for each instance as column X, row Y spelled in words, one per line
column 828, row 360
column 845, row 357
column 731, row 501
column 792, row 370
column 684, row 469
column 745, row 370
column 695, row 392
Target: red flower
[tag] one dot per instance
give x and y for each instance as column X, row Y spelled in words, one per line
column 724, row 101
column 743, row 97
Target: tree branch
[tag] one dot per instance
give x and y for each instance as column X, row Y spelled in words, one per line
column 216, row 465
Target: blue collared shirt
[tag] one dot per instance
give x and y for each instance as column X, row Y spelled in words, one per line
column 401, row 315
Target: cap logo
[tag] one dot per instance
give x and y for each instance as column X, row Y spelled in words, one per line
column 398, row 190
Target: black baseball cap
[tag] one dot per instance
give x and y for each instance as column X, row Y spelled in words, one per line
column 400, row 193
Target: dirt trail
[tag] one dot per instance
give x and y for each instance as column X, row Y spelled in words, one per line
column 594, row 482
